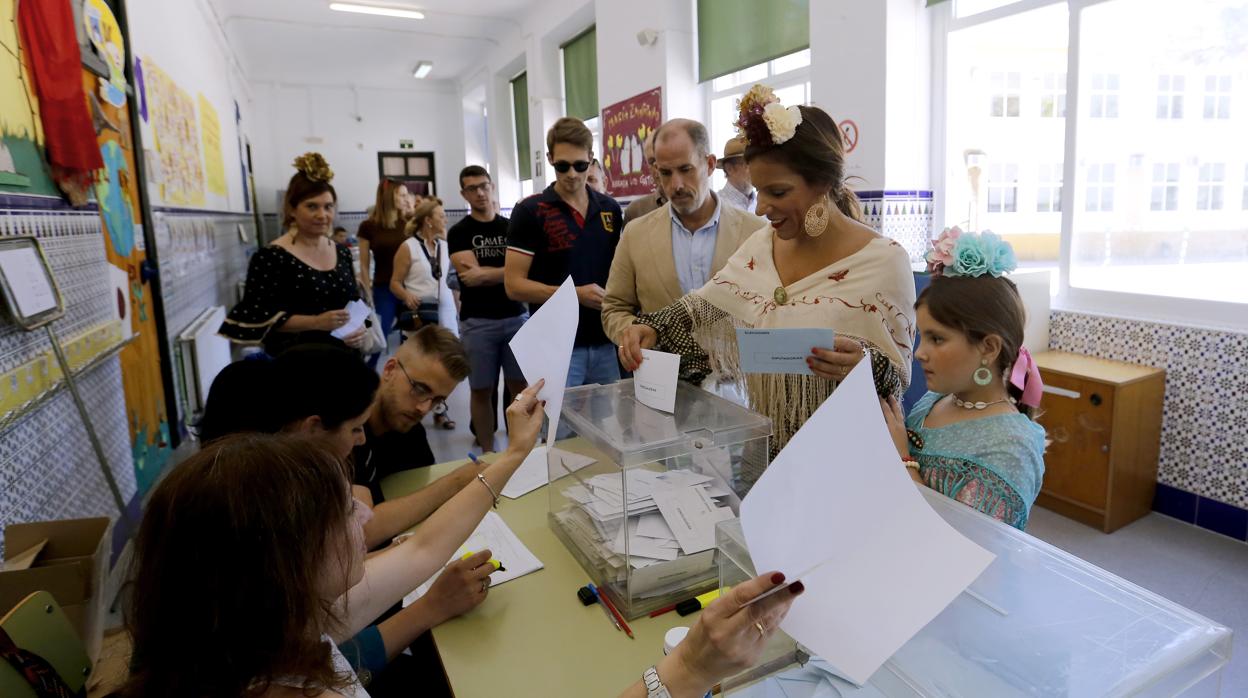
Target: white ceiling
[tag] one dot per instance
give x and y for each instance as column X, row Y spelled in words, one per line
column 304, row 42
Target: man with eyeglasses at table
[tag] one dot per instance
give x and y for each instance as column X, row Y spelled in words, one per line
column 426, row 368
column 568, row 229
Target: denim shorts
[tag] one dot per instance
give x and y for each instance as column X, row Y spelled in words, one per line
column 485, row 340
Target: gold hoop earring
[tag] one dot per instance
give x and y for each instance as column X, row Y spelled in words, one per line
column 817, row 219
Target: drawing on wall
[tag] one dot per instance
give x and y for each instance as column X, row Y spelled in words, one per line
column 21, row 135
column 114, row 205
column 117, row 194
column 105, row 35
column 173, row 120
column 210, row 131
column 625, row 127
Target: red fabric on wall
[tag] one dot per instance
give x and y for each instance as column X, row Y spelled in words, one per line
column 51, row 46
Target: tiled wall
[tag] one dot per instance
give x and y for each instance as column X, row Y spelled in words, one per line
column 203, row 259
column 1203, row 471
column 47, row 467
column 904, row 216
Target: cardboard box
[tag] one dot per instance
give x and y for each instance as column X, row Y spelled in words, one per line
column 73, row 567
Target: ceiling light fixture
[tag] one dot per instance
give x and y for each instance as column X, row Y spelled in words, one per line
column 375, row 10
column 422, row 70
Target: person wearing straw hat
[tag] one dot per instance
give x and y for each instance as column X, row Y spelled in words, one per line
column 739, row 191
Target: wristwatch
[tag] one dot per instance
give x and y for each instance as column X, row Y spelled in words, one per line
column 654, row 686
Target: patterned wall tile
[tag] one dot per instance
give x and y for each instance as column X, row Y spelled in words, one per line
column 202, row 261
column 1204, row 439
column 904, row 216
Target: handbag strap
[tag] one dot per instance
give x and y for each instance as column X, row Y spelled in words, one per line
column 36, row 670
column 435, row 260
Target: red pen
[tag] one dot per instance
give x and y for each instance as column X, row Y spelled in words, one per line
column 611, row 607
column 661, row 611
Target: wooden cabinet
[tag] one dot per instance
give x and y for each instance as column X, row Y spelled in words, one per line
column 1103, row 421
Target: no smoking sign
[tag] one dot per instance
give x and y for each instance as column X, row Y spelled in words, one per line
column 850, row 129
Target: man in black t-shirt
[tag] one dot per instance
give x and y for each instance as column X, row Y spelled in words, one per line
column 488, row 319
column 568, row 230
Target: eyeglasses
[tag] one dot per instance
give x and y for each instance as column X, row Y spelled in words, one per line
column 483, row 188
column 421, row 391
column 562, row 166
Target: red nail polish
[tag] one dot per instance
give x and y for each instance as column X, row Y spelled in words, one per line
column 796, row 588
column 777, row 578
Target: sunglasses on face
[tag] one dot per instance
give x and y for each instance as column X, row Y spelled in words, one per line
column 562, row 166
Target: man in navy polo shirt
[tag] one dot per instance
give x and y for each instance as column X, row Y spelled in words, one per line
column 568, row 229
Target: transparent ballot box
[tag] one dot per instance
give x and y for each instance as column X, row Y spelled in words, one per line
column 635, row 493
column 1037, row 622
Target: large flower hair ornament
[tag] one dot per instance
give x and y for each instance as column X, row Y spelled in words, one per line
column 956, row 253
column 314, row 167
column 762, row 120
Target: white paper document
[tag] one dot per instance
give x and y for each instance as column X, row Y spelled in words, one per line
column 654, row 381
column 837, row 503
column 495, row 535
column 691, row 514
column 533, row 472
column 543, row 349
column 358, row 313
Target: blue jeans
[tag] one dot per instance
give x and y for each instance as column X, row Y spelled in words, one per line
column 387, row 306
column 597, row 364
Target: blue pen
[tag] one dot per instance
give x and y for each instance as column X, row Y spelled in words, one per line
column 473, row 458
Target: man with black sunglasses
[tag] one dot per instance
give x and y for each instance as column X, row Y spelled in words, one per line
column 568, row 230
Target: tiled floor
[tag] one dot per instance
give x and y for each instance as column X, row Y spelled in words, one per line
column 1201, row 570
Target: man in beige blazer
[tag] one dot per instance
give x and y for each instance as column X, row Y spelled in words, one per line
column 677, row 247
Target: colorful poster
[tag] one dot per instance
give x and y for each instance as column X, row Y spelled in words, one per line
column 105, row 35
column 21, row 134
column 117, row 195
column 177, row 138
column 210, row 131
column 625, row 126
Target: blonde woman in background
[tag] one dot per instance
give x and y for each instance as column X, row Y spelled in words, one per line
column 419, row 279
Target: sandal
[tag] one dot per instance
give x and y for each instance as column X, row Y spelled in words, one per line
column 443, row 422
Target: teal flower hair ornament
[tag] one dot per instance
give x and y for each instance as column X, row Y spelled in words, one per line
column 956, row 253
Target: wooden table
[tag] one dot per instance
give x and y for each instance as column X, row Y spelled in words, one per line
column 532, row 636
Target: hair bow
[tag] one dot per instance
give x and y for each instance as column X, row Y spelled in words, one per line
column 1026, row 377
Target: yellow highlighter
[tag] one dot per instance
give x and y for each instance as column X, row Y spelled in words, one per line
column 498, row 566
column 698, row 603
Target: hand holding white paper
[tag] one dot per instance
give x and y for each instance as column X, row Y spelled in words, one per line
column 543, row 349
column 837, row 507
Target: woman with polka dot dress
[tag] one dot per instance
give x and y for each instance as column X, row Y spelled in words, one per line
column 298, row 287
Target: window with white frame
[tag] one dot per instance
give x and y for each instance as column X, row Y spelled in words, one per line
column 788, row 75
column 1209, row 186
column 1217, row 96
column 1170, row 96
column 1006, row 94
column 1138, row 161
column 1104, row 102
column 1099, row 193
column 1003, row 173
column 1165, row 191
column 1049, row 188
column 1002, row 188
column 1053, row 95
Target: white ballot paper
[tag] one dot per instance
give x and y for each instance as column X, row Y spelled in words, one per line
column 357, row 310
column 534, row 473
column 654, row 381
column 543, row 349
column 494, row 535
column 837, row 507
